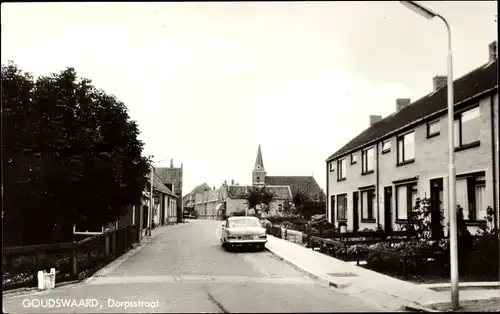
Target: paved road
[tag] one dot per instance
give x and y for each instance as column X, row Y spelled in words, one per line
column 184, row 269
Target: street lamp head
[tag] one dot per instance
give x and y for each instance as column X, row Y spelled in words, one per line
column 412, row 5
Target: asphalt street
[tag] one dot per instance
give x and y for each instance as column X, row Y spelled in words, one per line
column 184, row 269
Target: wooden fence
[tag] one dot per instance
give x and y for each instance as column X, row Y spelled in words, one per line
column 72, row 260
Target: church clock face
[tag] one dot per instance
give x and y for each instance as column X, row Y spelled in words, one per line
column 258, row 167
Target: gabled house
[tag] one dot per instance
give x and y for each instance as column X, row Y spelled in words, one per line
column 377, row 176
column 172, row 178
column 164, row 209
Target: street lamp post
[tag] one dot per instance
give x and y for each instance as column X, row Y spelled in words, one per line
column 451, row 155
column 150, row 209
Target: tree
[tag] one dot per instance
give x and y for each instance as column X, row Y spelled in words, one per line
column 306, row 206
column 259, row 199
column 71, row 152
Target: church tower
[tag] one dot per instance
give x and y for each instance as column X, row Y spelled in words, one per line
column 259, row 173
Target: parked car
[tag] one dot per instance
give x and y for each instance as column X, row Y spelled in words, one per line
column 243, row 231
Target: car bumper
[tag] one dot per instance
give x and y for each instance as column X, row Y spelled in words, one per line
column 245, row 242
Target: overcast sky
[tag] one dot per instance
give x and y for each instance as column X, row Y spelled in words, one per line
column 208, row 82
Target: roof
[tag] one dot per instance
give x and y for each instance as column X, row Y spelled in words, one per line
column 196, row 189
column 472, row 84
column 237, row 191
column 171, row 175
column 259, row 161
column 280, row 192
column 158, row 185
column 306, row 184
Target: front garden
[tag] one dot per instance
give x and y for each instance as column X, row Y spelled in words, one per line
column 411, row 253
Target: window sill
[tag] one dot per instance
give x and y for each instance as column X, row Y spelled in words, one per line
column 399, row 164
column 474, row 222
column 386, row 151
column 467, row 146
column 341, row 220
column 403, row 221
column 342, row 179
column 368, row 220
column 367, row 172
column 433, row 135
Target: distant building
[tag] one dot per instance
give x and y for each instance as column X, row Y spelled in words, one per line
column 203, row 200
column 172, row 179
column 232, row 197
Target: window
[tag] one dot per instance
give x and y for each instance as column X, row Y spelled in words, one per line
column 386, row 146
column 280, row 207
column 367, row 159
column 466, row 127
column 354, row 159
column 406, row 196
column 471, row 197
column 433, row 128
column 332, row 166
column 332, row 208
column 342, row 207
column 341, row 169
column 406, row 148
column 368, row 204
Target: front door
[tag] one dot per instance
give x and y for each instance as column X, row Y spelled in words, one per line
column 436, row 208
column 355, row 211
column 388, row 209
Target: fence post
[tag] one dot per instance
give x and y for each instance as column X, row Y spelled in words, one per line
column 404, row 268
column 113, row 244
column 106, row 237
column 35, row 270
column 127, row 231
column 345, row 248
column 75, row 260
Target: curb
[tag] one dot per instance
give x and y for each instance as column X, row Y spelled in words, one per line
column 415, row 308
column 322, row 280
column 100, row 273
column 410, row 306
column 103, row 272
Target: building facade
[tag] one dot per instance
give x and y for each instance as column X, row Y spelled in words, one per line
column 172, row 179
column 376, row 177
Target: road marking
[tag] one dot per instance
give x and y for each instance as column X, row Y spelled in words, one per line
column 199, row 279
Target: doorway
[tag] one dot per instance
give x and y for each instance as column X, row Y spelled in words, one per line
column 388, row 209
column 355, row 211
column 436, row 208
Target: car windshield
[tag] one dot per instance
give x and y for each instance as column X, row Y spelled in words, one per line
column 243, row 222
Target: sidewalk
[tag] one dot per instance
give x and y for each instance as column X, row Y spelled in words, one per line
column 383, row 290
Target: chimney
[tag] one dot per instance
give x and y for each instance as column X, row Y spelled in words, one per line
column 439, row 81
column 401, row 103
column 171, row 163
column 232, row 182
column 493, row 49
column 374, row 119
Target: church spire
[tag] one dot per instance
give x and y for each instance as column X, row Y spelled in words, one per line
column 259, row 163
column 259, row 173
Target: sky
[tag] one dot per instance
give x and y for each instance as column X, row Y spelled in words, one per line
column 208, row 82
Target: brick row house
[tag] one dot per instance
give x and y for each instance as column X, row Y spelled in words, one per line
column 376, row 177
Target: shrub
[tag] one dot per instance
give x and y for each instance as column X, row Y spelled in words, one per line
column 319, row 223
